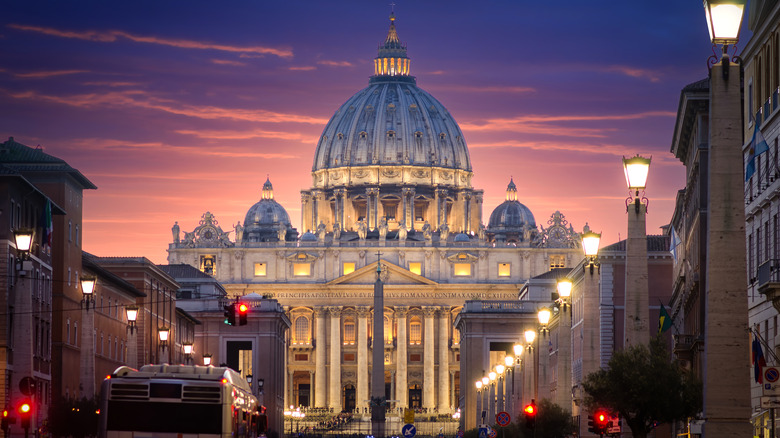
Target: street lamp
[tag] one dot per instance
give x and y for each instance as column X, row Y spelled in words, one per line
column 132, row 316
column 207, row 359
column 564, row 292
column 518, row 349
column 726, row 400
column 88, row 290
column 163, row 332
column 636, row 316
column 636, row 169
column 530, row 335
column 544, row 316
column 23, row 237
column 590, row 245
column 187, row 347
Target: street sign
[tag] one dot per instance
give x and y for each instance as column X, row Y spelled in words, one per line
column 503, row 419
column 408, row 431
column 483, row 431
column 771, row 383
column 492, row 432
column 409, row 416
column 768, row 402
column 27, row 386
column 460, row 433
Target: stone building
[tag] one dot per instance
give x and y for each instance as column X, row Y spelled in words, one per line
column 391, row 180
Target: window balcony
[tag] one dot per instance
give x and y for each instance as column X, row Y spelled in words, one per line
column 768, row 281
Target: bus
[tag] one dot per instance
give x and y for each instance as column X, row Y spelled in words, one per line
column 178, row 401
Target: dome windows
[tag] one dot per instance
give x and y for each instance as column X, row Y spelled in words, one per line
column 442, row 136
column 390, row 135
column 417, row 134
column 363, row 135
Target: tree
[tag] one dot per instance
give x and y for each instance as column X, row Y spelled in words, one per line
column 644, row 387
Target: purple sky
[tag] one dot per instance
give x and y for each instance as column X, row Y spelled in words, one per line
column 177, row 108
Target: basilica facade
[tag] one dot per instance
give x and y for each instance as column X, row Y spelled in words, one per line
column 391, row 184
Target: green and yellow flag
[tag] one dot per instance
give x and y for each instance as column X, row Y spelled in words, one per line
column 664, row 320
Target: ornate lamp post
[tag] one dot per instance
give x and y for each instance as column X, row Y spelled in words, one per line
column 207, row 359
column 636, row 315
column 564, row 292
column 88, row 290
column 478, row 384
column 509, row 361
column 187, row 349
column 544, row 316
column 726, row 387
column 163, row 333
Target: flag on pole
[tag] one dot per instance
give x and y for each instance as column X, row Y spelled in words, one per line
column 674, row 243
column 758, row 146
column 758, row 360
column 664, row 320
column 47, row 227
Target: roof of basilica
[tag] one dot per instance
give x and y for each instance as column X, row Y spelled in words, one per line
column 392, row 121
column 266, row 213
column 511, row 214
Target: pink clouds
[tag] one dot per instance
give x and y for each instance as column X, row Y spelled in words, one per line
column 48, row 74
column 113, row 35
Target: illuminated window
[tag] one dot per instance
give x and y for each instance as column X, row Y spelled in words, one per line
column 504, row 269
column 557, row 261
column 301, row 330
column 349, row 332
column 462, row 269
column 208, row 264
column 301, row 269
column 260, row 269
column 415, row 331
column 416, row 268
column 388, row 331
column 456, row 337
column 348, row 268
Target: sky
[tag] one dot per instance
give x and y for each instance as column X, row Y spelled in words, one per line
column 175, row 108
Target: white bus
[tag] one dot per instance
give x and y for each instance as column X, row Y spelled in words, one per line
column 178, row 401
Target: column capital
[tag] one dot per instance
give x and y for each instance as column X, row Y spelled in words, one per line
column 305, row 196
column 334, row 311
column 319, row 312
column 372, row 191
column 340, row 192
column 401, row 311
column 363, row 311
column 444, row 310
column 408, row 191
column 442, row 192
column 429, row 311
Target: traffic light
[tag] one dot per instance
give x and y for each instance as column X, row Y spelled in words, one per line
column 601, row 420
column 230, row 314
column 591, row 425
column 529, row 412
column 7, row 421
column 25, row 411
column 243, row 311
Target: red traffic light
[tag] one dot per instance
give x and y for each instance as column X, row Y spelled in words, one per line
column 242, row 308
column 24, row 408
column 529, row 409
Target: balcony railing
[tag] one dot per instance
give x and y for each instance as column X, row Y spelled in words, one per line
column 768, row 272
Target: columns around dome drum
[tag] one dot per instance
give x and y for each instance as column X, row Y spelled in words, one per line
column 459, row 209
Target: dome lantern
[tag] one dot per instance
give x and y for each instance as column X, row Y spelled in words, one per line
column 511, row 191
column 391, row 59
column 268, row 190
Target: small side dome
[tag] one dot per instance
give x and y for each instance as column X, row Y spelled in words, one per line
column 460, row 237
column 308, row 237
column 511, row 221
column 267, row 219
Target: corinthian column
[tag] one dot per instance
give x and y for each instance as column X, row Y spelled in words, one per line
column 428, row 376
column 334, row 384
column 362, row 357
column 320, row 393
column 401, row 387
column 444, row 360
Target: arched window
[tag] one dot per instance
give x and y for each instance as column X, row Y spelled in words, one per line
column 349, row 331
column 388, row 330
column 415, row 331
column 301, row 330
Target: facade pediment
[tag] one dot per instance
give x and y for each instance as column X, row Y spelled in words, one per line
column 393, row 274
column 301, row 256
column 462, row 257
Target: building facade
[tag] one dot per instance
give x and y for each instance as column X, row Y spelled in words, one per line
column 391, row 180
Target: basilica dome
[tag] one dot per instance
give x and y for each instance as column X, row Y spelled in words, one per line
column 266, row 218
column 511, row 220
column 392, row 122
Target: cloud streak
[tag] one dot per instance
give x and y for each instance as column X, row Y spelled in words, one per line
column 115, row 35
column 48, row 74
column 98, row 144
column 141, row 99
column 551, row 125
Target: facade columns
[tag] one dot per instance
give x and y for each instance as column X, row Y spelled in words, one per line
column 444, row 360
column 428, row 358
column 362, row 357
column 323, row 211
column 441, row 206
column 372, row 210
column 320, row 379
column 407, row 194
column 401, row 387
column 466, row 212
column 334, row 384
column 306, row 211
column 341, row 196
